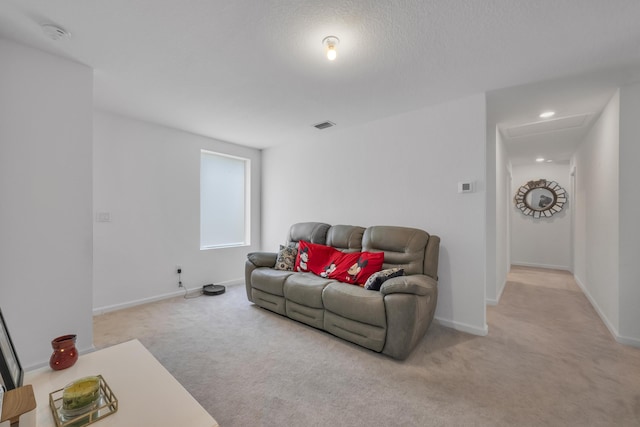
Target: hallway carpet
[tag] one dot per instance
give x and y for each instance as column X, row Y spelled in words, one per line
column 548, row 360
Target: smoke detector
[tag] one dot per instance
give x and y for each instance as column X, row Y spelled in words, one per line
column 55, row 32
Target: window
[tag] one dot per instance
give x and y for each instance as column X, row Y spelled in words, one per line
column 224, row 200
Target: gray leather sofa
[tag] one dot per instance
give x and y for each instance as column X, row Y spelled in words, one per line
column 391, row 321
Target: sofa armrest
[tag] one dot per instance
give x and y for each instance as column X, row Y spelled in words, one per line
column 417, row 284
column 263, row 259
column 410, row 304
column 257, row 260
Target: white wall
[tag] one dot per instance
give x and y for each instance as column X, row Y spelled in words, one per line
column 629, row 262
column 402, row 170
column 148, row 178
column 541, row 242
column 491, row 232
column 596, row 238
column 45, row 200
column 502, row 219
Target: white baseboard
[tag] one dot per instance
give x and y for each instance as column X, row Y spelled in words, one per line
column 491, row 301
column 107, row 308
column 548, row 266
column 634, row 342
column 612, row 329
column 458, row 326
column 595, row 305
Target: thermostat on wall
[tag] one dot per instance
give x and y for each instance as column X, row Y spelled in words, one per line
column 465, row 187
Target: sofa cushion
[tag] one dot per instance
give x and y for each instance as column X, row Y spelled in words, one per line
column 286, row 257
column 305, row 289
column 269, row 280
column 376, row 280
column 355, row 267
column 355, row 303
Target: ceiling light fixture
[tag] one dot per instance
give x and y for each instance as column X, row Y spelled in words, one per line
column 330, row 43
column 540, row 159
column 547, row 114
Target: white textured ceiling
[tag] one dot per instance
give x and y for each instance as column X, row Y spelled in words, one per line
column 253, row 72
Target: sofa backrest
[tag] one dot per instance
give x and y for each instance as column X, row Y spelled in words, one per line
column 412, row 249
column 404, row 247
column 347, row 238
column 314, row 232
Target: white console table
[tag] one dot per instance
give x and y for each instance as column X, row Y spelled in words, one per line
column 148, row 395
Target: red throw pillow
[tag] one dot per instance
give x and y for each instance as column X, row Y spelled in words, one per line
column 314, row 258
column 356, row 267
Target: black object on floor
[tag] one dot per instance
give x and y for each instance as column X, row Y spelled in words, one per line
column 213, row 289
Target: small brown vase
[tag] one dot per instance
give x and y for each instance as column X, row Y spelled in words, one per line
column 64, row 352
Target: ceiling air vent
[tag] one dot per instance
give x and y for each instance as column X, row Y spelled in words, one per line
column 324, row 125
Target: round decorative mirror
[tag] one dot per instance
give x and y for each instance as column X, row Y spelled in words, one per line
column 540, row 198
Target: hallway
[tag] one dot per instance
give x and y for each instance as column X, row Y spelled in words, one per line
column 564, row 347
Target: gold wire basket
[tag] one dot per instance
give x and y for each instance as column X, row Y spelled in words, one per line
column 107, row 404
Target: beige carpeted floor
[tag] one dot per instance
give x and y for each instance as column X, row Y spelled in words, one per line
column 548, row 361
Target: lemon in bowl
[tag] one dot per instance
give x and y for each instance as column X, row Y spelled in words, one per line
column 80, row 396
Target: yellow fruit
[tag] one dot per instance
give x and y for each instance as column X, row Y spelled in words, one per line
column 81, row 393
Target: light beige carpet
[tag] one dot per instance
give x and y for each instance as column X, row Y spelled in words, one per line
column 548, row 361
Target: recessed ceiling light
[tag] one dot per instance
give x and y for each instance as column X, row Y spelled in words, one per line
column 547, row 114
column 540, row 159
column 549, row 161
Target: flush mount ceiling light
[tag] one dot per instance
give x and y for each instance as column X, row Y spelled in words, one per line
column 547, row 114
column 331, row 43
column 54, row 32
